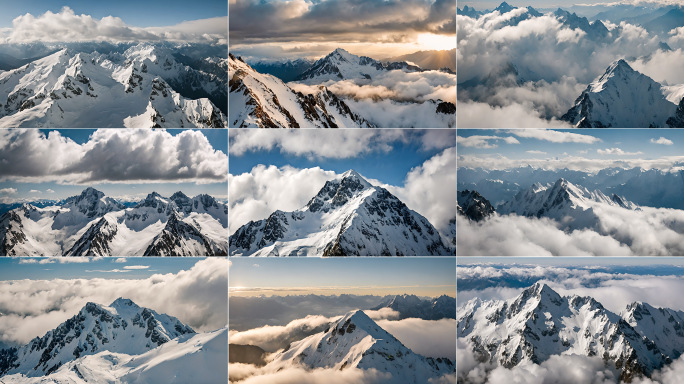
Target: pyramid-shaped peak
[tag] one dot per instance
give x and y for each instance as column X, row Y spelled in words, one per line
column 179, row 195
column 122, row 303
column 504, row 7
column 620, row 64
column 92, row 192
column 353, row 175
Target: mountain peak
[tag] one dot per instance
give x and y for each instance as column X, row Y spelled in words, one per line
column 179, row 196
column 353, row 175
column 504, row 7
column 121, row 303
column 91, row 192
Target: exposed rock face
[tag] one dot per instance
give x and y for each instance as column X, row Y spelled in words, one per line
column 474, row 206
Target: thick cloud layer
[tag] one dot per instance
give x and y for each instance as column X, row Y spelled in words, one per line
column 272, row 338
column 197, row 296
column 299, row 375
column 528, row 73
column 110, row 155
column 648, row 231
column 432, row 338
column 67, row 26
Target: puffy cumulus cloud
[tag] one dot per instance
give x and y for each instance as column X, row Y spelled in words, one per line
column 197, row 296
column 483, row 141
column 618, row 231
column 339, row 144
column 8, row 191
column 299, row 375
column 500, row 162
column 428, row 189
column 67, row 26
column 255, row 195
column 110, row 155
column 241, row 371
column 476, row 114
column 662, row 140
column 539, row 66
column 272, row 338
column 338, row 20
column 385, row 313
column 432, row 338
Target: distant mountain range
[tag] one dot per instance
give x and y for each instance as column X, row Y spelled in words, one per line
column 348, row 216
column 92, row 224
column 540, row 323
column 145, row 86
column 121, row 342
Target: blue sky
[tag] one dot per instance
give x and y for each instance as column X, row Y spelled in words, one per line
column 332, row 276
column 601, row 144
column 148, row 13
column 40, row 268
column 389, row 166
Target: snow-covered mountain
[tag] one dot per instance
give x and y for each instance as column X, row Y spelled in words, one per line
column 140, row 87
column 348, row 216
column 92, row 224
column 436, row 60
column 540, row 323
column 572, row 205
column 473, row 205
column 645, row 187
column 122, row 327
column 264, row 101
column 621, row 98
column 356, row 341
column 443, row 307
column 342, row 65
column 285, row 70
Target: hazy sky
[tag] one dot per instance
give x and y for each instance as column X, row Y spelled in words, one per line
column 421, row 276
column 376, row 28
column 587, row 149
column 128, row 164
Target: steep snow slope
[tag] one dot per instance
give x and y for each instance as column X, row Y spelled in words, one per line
column 621, row 98
column 70, row 89
column 356, row 341
column 123, row 327
column 348, row 216
column 264, row 101
column 191, row 358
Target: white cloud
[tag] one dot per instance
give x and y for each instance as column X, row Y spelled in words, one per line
column 110, row 155
column 432, row 338
column 298, row 375
column 475, row 115
column 197, row 296
column 35, row 191
column 616, row 151
column 483, row 141
column 8, row 191
column 50, row 190
column 649, row 231
column 662, row 140
column 120, row 260
column 272, row 338
column 535, row 152
column 578, row 163
column 67, row 26
column 136, row 267
column 555, row 136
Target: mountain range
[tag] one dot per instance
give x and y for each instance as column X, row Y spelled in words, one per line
column 412, row 306
column 121, row 342
column 356, row 341
column 572, row 206
column 266, row 101
column 645, row 187
column 348, row 216
column 92, row 224
column 540, row 323
column 144, row 86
